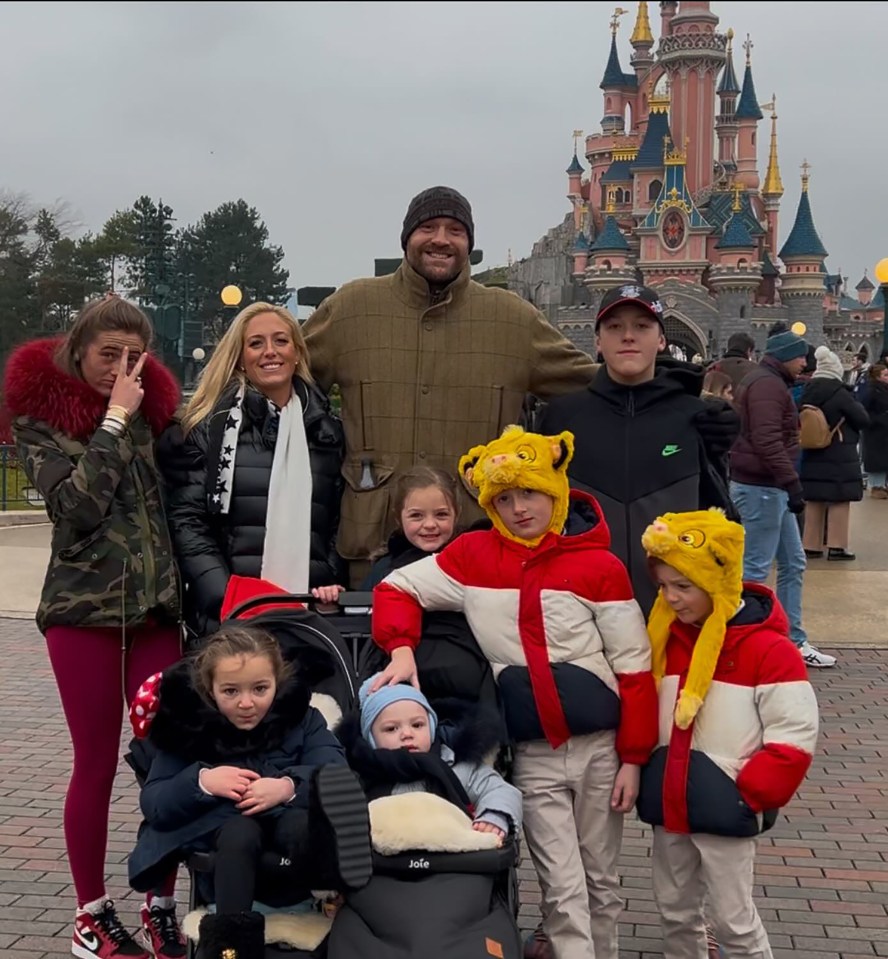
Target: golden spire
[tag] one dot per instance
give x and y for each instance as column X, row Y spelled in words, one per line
column 805, row 175
column 773, row 184
column 615, row 19
column 737, row 206
column 642, row 32
column 748, row 48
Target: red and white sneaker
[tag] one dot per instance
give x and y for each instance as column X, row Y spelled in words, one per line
column 102, row 935
column 161, row 934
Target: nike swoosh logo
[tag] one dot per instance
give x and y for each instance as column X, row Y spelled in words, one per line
column 88, row 939
column 670, row 449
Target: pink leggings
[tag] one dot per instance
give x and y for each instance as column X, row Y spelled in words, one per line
column 96, row 682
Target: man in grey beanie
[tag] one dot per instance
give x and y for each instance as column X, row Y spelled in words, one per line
column 765, row 486
column 429, row 363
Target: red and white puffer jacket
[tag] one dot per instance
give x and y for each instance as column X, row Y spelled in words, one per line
column 750, row 746
column 558, row 623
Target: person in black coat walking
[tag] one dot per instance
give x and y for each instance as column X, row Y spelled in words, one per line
column 831, row 477
column 253, row 469
column 875, row 445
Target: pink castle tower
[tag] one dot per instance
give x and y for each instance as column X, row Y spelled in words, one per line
column 692, row 54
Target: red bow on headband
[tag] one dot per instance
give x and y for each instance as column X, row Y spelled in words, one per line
column 144, row 706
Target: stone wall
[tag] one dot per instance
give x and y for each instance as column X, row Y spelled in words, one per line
column 545, row 277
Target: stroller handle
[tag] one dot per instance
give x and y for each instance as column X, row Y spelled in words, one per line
column 357, row 603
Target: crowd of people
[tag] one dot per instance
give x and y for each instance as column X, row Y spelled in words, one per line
column 605, row 547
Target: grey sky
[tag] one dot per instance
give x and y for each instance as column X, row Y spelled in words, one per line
column 328, row 117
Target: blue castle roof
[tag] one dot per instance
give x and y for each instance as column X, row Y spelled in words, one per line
column 575, row 165
column 768, row 268
column 719, row 210
column 736, row 236
column 618, row 172
column 613, row 72
column 581, row 244
column 728, row 83
column 650, row 153
column 610, row 237
column 803, row 239
column 748, row 107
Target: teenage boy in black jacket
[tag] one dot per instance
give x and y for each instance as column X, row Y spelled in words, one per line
column 639, row 448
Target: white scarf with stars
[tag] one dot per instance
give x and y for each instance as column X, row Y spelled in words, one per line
column 286, row 553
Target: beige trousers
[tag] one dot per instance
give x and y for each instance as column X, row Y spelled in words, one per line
column 686, row 869
column 574, row 841
column 826, row 525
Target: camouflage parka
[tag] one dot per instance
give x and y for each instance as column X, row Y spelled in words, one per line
column 111, row 562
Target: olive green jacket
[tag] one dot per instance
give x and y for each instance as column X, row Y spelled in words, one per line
column 424, row 379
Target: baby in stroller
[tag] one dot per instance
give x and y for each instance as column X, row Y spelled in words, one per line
column 243, row 763
column 434, row 798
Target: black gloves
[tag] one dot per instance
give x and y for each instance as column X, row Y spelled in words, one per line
column 718, row 425
column 796, row 501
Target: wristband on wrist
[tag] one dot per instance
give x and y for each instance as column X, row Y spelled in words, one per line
column 114, row 426
column 119, row 412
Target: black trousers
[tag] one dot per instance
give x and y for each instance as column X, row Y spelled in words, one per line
column 263, row 858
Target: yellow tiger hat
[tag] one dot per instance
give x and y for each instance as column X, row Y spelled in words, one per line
column 706, row 548
column 521, row 460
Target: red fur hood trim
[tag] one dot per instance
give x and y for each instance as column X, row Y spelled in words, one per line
column 35, row 386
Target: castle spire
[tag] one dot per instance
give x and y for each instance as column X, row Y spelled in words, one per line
column 803, row 240
column 613, row 72
column 728, row 86
column 748, row 107
column 773, row 184
column 641, row 35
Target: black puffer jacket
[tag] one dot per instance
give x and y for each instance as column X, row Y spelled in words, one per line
column 833, row 475
column 640, row 453
column 210, row 546
column 875, row 439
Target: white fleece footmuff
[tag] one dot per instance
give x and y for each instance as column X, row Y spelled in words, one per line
column 418, row 820
column 302, row 930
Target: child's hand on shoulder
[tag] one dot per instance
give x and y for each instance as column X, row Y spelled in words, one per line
column 626, row 786
column 226, row 782
column 265, row 793
column 480, row 826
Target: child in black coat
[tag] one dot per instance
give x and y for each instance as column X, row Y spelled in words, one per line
column 243, row 765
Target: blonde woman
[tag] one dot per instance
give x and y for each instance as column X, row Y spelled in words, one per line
column 253, row 468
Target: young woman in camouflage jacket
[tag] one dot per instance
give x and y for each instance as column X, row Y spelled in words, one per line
column 87, row 410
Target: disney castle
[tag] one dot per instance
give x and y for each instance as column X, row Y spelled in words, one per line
column 672, row 197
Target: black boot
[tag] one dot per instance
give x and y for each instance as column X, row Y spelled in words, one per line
column 840, row 554
column 340, row 826
column 239, row 935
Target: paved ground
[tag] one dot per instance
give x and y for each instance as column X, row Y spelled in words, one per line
column 822, row 873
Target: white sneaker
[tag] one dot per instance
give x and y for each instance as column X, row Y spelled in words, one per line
column 814, row 658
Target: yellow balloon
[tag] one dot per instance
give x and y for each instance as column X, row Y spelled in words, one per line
column 882, row 270
column 799, row 329
column 231, row 295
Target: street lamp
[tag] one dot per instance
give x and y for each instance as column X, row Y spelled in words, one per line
column 882, row 277
column 231, row 295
